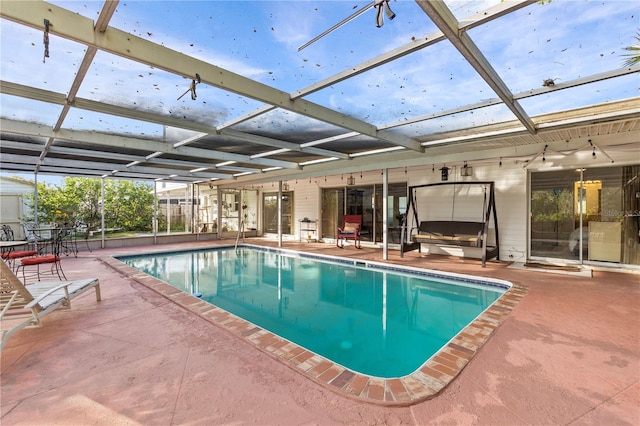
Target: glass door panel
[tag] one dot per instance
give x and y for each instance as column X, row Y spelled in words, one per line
column 587, row 214
column 367, row 202
column 602, row 204
column 554, row 216
column 396, row 209
column 332, row 208
column 270, row 212
column 360, row 201
column 230, row 211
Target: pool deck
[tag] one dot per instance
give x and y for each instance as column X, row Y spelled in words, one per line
column 564, row 350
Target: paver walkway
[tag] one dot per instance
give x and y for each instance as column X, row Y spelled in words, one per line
column 568, row 353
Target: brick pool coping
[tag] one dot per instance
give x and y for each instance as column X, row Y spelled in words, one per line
column 425, row 383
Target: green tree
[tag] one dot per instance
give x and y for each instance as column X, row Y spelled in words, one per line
column 128, row 204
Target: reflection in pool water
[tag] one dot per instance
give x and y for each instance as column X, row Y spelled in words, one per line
column 379, row 321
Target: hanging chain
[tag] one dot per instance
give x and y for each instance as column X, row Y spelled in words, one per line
column 46, row 40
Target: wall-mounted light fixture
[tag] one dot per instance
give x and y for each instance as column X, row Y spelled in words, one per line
column 351, row 180
column 444, row 173
column 466, row 170
column 285, row 186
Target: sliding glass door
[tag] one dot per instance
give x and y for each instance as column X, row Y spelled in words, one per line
column 586, row 214
column 364, row 200
column 270, row 212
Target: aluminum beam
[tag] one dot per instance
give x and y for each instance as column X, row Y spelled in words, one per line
column 413, row 46
column 289, row 146
column 15, row 89
column 112, row 168
column 522, row 95
column 80, row 29
column 440, row 14
column 93, row 154
column 32, row 129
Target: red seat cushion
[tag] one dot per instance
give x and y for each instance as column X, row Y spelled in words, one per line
column 23, row 253
column 49, row 258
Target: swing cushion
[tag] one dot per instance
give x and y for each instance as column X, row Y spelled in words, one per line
column 458, row 233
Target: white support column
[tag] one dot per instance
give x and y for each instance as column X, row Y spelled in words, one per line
column 168, row 212
column 385, row 199
column 155, row 213
column 280, row 213
column 102, row 242
column 35, row 199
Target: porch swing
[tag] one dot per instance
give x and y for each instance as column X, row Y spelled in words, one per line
column 452, row 232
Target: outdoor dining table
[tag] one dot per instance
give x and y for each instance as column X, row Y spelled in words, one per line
column 12, row 244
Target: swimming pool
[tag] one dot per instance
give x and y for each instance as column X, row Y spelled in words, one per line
column 372, row 318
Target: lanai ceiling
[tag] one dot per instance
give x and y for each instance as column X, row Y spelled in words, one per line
column 220, row 90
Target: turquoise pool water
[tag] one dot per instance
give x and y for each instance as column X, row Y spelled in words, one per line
column 375, row 319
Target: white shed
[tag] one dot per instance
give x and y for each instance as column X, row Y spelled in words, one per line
column 13, row 203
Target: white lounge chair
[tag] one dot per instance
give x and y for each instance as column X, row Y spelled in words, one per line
column 24, row 306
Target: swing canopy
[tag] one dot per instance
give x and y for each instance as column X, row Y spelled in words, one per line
column 440, row 223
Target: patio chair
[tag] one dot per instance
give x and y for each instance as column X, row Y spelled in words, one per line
column 350, row 230
column 52, row 259
column 10, row 254
column 81, row 227
column 68, row 242
column 23, row 307
column 39, row 237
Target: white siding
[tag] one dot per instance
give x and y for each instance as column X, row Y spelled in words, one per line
column 13, row 205
column 510, row 190
column 306, row 199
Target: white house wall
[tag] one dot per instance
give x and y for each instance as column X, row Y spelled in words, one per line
column 510, row 191
column 510, row 174
column 14, row 208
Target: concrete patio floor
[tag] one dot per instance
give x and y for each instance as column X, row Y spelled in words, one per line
column 568, row 353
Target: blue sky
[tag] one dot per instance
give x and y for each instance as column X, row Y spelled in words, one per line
column 561, row 40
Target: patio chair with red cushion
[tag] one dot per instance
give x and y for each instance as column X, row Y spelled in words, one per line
column 10, row 254
column 52, row 259
column 350, row 230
